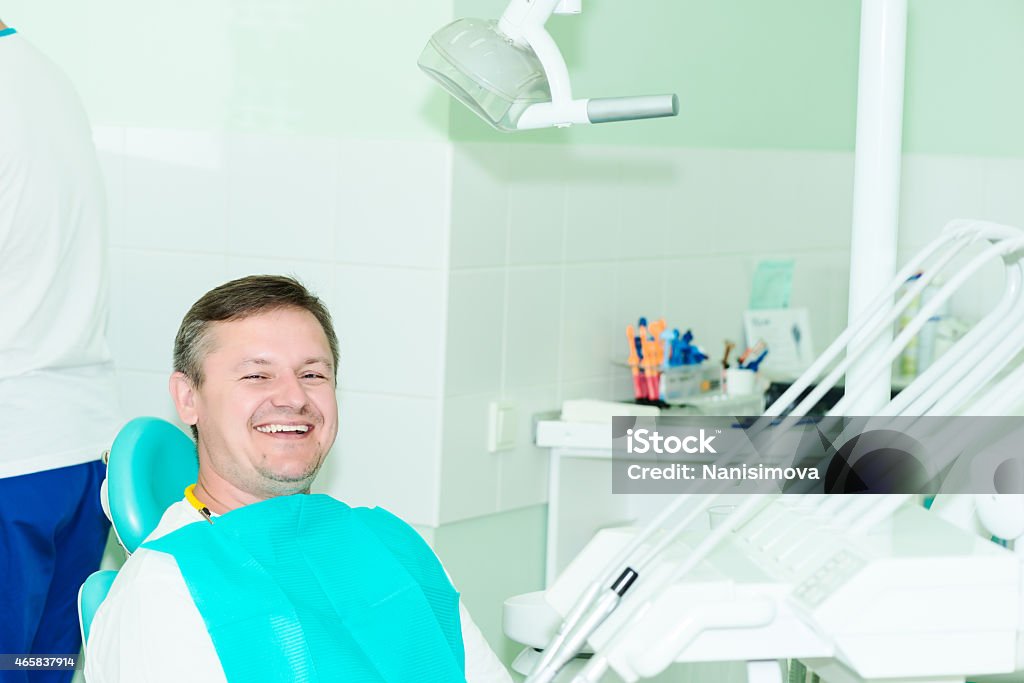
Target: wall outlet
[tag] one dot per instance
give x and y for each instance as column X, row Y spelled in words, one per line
column 501, row 426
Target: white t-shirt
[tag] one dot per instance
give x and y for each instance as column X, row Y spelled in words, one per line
column 58, row 397
column 149, row 630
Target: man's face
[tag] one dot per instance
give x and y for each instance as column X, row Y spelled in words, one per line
column 267, row 412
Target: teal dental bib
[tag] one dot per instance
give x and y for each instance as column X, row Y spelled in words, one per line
column 304, row 588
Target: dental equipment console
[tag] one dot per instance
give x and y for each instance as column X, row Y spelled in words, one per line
column 859, row 588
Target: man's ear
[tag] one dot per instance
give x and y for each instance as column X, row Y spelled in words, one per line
column 184, row 396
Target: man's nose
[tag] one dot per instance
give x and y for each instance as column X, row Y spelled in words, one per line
column 289, row 392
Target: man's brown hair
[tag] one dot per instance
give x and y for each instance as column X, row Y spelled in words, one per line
column 240, row 299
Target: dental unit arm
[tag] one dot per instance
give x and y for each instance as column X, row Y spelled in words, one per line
column 512, row 74
column 819, row 578
column 907, row 597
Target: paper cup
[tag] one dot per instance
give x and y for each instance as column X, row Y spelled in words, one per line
column 740, row 382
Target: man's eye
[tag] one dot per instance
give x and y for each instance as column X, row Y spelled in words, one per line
column 313, row 375
column 255, row 377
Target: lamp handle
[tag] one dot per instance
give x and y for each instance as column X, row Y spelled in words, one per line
column 609, row 109
column 602, row 110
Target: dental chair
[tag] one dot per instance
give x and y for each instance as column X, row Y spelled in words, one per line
column 149, row 465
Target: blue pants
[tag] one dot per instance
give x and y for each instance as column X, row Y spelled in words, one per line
column 52, row 534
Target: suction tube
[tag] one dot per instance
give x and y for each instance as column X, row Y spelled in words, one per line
column 611, row 109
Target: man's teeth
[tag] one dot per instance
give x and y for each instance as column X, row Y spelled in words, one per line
column 270, row 429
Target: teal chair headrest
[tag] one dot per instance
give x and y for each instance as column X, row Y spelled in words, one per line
column 150, row 464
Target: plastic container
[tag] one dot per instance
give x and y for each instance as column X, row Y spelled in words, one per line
column 685, row 381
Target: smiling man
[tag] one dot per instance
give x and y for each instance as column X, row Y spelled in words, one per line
column 249, row 578
column 262, row 396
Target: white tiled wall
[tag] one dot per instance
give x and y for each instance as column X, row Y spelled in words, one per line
column 395, row 203
column 475, row 331
column 281, row 197
column 175, row 191
column 573, row 243
column 555, row 249
column 533, row 326
column 361, row 223
column 388, row 454
column 470, row 477
column 459, row 274
column 389, row 322
column 938, row 189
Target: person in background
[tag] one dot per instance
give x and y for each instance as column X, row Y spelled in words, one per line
column 249, row 578
column 58, row 398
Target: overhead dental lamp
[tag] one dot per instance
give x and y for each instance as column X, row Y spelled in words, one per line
column 512, row 74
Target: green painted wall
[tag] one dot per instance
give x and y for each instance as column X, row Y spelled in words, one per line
column 307, row 67
column 750, row 73
column 783, row 73
column 963, row 92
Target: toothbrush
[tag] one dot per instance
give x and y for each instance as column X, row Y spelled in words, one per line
column 634, row 364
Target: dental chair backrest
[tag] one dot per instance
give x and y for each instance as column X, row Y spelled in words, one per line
column 150, row 463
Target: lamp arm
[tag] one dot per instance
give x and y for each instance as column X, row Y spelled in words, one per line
column 520, row 15
column 523, row 22
column 554, row 64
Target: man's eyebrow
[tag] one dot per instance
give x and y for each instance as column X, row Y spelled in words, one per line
column 253, row 361
column 309, row 361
